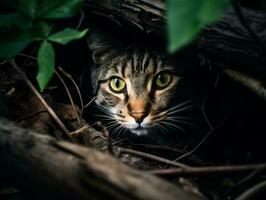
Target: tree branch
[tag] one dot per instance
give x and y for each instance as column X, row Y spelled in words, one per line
column 62, row 170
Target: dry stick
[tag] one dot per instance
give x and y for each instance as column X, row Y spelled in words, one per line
column 74, row 83
column 65, row 86
column 69, row 95
column 243, row 181
column 152, row 157
column 208, row 170
column 254, row 85
column 82, row 18
column 31, row 115
column 204, row 138
column 89, row 103
column 193, row 158
column 39, row 96
column 251, row 192
column 78, row 131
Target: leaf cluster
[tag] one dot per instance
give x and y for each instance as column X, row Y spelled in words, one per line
column 29, row 21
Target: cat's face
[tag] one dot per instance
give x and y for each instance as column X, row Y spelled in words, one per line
column 136, row 90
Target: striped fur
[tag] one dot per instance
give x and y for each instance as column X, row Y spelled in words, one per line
column 142, row 108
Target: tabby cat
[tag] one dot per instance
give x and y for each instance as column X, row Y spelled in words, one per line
column 140, row 91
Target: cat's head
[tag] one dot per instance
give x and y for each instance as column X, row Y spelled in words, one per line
column 140, row 91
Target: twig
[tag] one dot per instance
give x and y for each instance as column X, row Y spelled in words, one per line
column 205, row 137
column 250, row 176
column 27, row 56
column 78, row 131
column 193, row 158
column 89, row 103
column 65, row 86
column 69, row 95
column 254, row 85
column 208, row 170
column 252, row 192
column 75, row 84
column 31, row 115
column 243, row 181
column 81, row 19
column 152, row 157
column 39, row 96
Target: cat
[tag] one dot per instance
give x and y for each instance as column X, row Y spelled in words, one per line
column 143, row 92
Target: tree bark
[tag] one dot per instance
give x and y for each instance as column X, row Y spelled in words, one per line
column 228, row 42
column 62, row 170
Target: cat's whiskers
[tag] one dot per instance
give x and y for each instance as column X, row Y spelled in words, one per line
column 180, row 105
column 173, row 119
column 181, row 109
column 121, row 129
column 104, row 110
column 112, row 125
column 118, row 129
column 173, row 125
column 160, row 126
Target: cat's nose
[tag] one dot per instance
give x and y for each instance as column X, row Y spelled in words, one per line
column 138, row 110
column 138, row 116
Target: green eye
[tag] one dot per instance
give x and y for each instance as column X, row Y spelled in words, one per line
column 117, row 84
column 163, row 80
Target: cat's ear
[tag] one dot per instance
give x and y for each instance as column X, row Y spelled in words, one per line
column 102, row 45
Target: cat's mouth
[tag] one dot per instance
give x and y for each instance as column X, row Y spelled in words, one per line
column 139, row 131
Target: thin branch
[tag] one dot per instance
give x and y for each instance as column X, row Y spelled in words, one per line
column 252, row 192
column 192, row 158
column 152, row 157
column 65, row 86
column 39, row 96
column 75, row 84
column 89, row 103
column 81, row 19
column 205, row 137
column 208, row 170
column 78, row 131
column 254, row 85
column 31, row 115
column 69, row 95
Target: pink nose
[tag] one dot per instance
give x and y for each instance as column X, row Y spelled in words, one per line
column 138, row 116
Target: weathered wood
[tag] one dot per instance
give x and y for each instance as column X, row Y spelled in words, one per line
column 61, row 170
column 227, row 42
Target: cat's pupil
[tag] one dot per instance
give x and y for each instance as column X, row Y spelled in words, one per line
column 117, row 82
column 162, row 79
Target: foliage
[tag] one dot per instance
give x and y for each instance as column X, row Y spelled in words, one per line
column 187, row 17
column 34, row 21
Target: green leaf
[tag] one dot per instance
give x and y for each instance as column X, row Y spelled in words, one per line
column 12, row 41
column 40, row 30
column 9, row 50
column 46, row 64
column 187, row 17
column 67, row 35
column 28, row 7
column 47, row 9
column 14, row 19
column 59, row 9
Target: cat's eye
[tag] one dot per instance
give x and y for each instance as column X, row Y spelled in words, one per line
column 117, row 84
column 162, row 80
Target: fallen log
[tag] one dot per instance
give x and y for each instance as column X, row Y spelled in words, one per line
column 61, row 170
